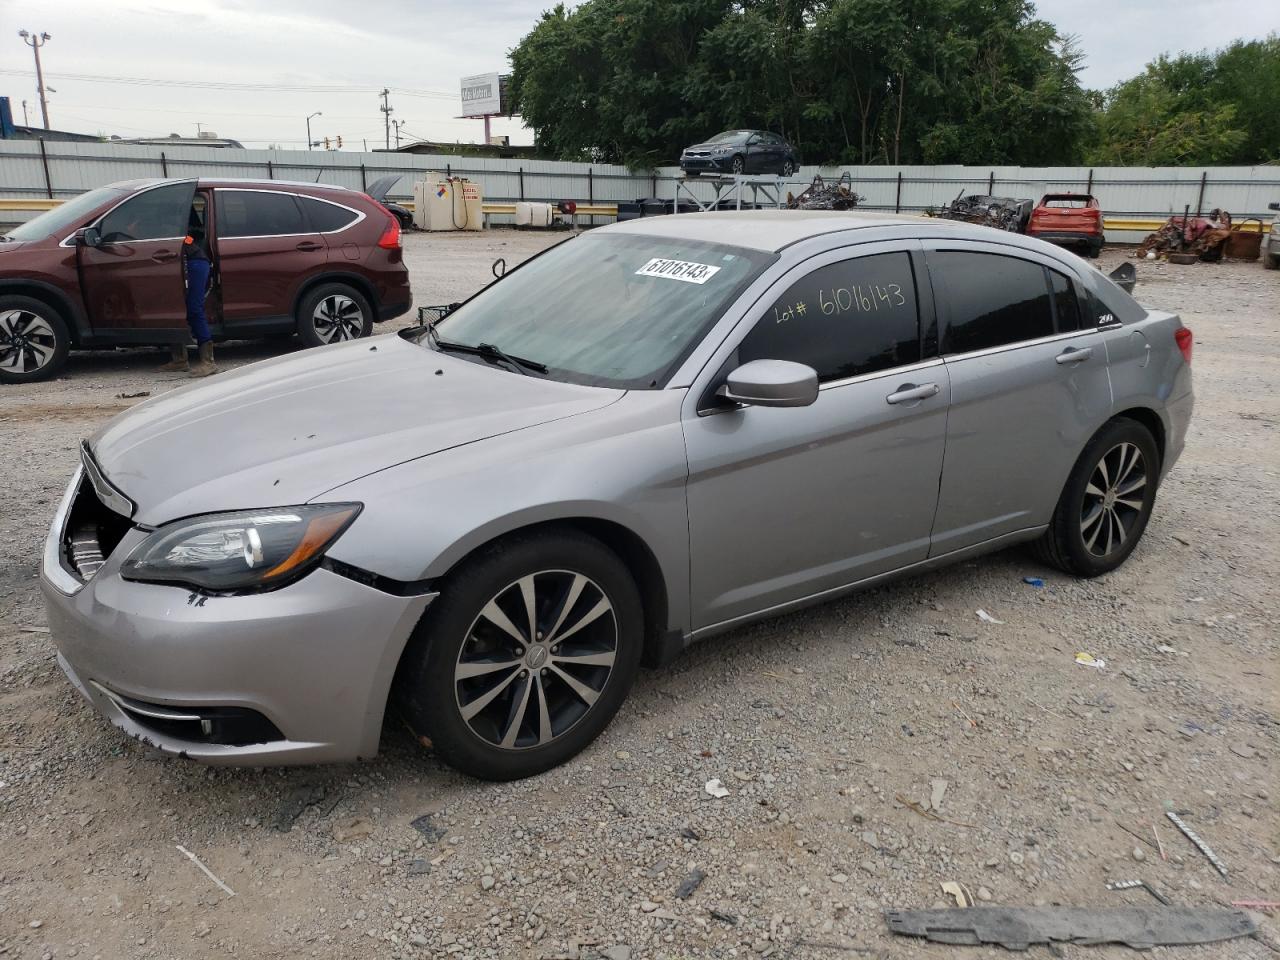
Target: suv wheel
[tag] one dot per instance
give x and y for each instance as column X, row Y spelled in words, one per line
column 332, row 313
column 525, row 657
column 33, row 340
column 1106, row 503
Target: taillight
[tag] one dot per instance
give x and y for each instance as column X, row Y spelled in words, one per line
column 1185, row 340
column 390, row 239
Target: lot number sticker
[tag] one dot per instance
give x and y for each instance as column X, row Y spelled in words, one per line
column 678, row 270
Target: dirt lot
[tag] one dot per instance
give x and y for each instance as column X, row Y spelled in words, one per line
column 818, row 723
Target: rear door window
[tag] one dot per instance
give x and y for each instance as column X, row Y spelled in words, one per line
column 326, row 217
column 845, row 319
column 1066, row 306
column 160, row 213
column 989, row 300
column 257, row 213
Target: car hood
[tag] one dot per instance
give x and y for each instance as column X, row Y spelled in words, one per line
column 714, row 146
column 284, row 431
column 9, row 246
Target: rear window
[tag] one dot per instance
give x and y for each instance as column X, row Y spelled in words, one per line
column 990, row 300
column 257, row 213
column 326, row 217
column 1068, row 203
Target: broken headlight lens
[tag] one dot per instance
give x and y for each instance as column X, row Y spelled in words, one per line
column 247, row 549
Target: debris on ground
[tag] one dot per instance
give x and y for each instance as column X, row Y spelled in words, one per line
column 689, row 884
column 820, row 195
column 715, row 788
column 1133, row 884
column 938, row 790
column 723, row 917
column 352, row 829
column 133, row 396
column 1002, row 213
column 429, row 830
column 988, row 618
column 205, row 870
column 1018, row 928
column 1033, row 582
column 1186, row 238
column 959, row 892
column 1089, row 660
column 1200, row 844
column 926, row 813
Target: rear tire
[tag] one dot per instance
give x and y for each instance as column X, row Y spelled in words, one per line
column 333, row 313
column 33, row 340
column 737, row 166
column 788, row 168
column 1106, row 503
column 501, row 705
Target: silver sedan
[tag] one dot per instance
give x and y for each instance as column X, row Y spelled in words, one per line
column 649, row 434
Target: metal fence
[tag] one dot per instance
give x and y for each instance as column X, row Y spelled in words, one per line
column 58, row 169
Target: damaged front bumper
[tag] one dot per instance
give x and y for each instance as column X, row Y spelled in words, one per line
column 295, row 675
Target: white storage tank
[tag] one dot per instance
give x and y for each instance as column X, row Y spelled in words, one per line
column 447, row 203
column 530, row 214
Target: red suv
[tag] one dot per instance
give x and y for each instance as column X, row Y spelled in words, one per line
column 1069, row 219
column 105, row 269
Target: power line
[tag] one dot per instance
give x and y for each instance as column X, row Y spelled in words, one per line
column 224, row 85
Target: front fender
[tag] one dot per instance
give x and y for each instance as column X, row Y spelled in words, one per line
column 624, row 464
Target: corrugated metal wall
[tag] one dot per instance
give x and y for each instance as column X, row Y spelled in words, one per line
column 66, row 169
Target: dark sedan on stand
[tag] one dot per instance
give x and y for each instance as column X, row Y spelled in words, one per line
column 737, row 152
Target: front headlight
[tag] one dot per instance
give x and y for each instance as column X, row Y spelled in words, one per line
column 243, row 550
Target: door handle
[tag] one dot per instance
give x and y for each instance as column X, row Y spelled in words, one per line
column 909, row 391
column 310, row 245
column 163, row 256
column 1074, row 355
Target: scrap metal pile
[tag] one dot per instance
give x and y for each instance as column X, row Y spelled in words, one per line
column 821, row 195
column 1186, row 239
column 1002, row 213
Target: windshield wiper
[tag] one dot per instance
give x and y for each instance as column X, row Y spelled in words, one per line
column 486, row 351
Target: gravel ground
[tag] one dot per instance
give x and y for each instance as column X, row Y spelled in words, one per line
column 824, row 726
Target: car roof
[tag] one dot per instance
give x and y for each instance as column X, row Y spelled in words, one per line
column 772, row 230
column 256, row 183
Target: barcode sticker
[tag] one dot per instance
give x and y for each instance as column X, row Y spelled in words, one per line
column 678, row 270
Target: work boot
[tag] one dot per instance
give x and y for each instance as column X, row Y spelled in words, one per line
column 205, row 365
column 177, row 359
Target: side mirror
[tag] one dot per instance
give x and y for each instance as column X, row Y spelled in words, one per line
column 771, row 383
column 88, row 237
column 499, row 268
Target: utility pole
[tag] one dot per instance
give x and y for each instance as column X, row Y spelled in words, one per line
column 35, row 42
column 398, row 124
column 386, row 114
column 316, row 114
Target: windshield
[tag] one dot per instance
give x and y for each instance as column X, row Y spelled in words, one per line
column 65, row 215
column 608, row 309
column 729, row 136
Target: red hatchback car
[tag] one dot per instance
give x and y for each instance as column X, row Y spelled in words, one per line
column 105, row 269
column 1069, row 219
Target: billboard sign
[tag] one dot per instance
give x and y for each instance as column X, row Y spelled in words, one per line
column 482, row 95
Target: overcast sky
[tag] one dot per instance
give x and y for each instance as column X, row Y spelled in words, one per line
column 294, row 57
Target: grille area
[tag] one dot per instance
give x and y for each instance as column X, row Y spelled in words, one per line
column 92, row 531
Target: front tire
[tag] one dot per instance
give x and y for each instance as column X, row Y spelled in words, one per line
column 525, row 657
column 33, row 340
column 333, row 313
column 1106, row 503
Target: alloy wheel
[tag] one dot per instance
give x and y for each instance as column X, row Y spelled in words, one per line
column 337, row 317
column 1113, row 499
column 27, row 341
column 788, row 168
column 536, row 659
column 736, row 165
